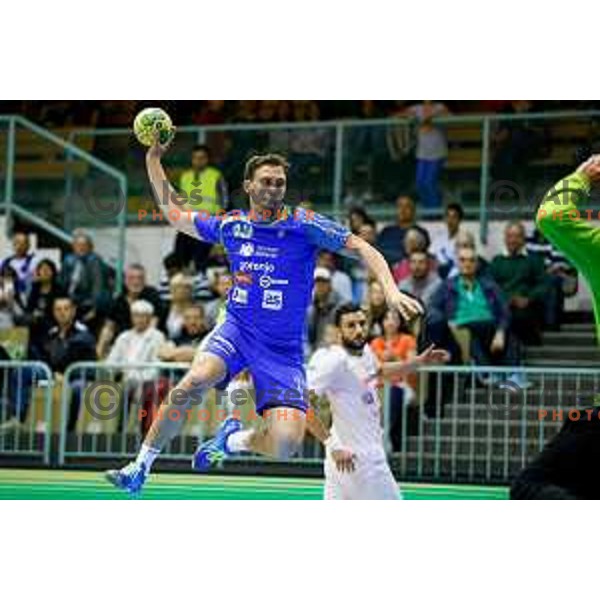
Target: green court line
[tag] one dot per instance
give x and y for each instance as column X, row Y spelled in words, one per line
column 18, row 484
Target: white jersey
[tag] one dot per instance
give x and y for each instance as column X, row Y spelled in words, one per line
column 350, row 383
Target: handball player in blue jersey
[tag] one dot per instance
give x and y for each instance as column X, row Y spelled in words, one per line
column 272, row 250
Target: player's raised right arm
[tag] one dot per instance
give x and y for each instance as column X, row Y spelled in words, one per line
column 562, row 219
column 164, row 194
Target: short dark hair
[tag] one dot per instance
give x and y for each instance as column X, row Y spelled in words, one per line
column 201, row 148
column 260, row 160
column 61, row 297
column 48, row 263
column 455, row 206
column 346, row 309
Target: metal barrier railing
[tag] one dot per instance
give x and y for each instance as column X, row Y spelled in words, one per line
column 26, row 415
column 107, row 408
column 481, row 424
column 90, row 193
column 461, row 424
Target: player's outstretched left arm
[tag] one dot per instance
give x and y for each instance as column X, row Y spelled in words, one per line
column 408, row 307
column 431, row 356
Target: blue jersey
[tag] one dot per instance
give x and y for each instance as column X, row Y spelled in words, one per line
column 272, row 266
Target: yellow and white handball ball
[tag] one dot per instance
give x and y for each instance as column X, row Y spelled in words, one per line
column 151, row 120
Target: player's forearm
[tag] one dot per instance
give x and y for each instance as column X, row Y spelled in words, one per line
column 166, row 197
column 391, row 369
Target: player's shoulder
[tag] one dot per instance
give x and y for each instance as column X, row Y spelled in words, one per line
column 328, row 358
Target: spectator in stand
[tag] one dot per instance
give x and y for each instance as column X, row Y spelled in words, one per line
column 83, row 278
column 397, row 345
column 68, row 342
column 340, row 281
column 221, row 285
column 46, row 288
column 140, row 344
column 476, row 303
column 182, row 288
column 23, row 263
column 522, row 278
column 562, row 278
column 415, row 240
column 432, row 150
column 517, row 142
column 184, row 347
column 375, row 308
column 119, row 319
column 357, row 217
column 322, row 309
column 391, row 239
column 423, row 281
column 206, row 191
column 465, row 239
column 172, row 265
column 444, row 245
column 12, row 302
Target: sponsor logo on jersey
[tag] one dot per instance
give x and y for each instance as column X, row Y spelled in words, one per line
column 243, row 231
column 247, row 249
column 240, row 296
column 241, row 278
column 272, row 300
column 266, row 252
column 248, row 265
column 267, row 281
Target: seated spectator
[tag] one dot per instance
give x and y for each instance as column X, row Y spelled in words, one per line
column 522, row 278
column 222, row 283
column 184, row 347
column 340, row 281
column 119, row 318
column 357, row 216
column 423, row 281
column 322, row 309
column 396, row 345
column 391, row 239
column 23, row 263
column 562, row 278
column 375, row 308
column 12, row 302
column 444, row 245
column 181, row 298
column 172, row 265
column 140, row 344
column 465, row 239
column 475, row 302
column 68, row 342
column 44, row 291
column 83, row 279
column 415, row 240
column 206, row 189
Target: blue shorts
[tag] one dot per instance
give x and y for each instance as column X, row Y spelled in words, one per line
column 277, row 371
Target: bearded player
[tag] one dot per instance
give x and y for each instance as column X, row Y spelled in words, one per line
column 356, row 467
column 272, row 252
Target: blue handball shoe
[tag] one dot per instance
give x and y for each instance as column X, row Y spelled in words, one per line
column 212, row 452
column 130, row 478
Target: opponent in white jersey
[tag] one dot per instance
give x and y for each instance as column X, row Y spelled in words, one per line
column 356, row 467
